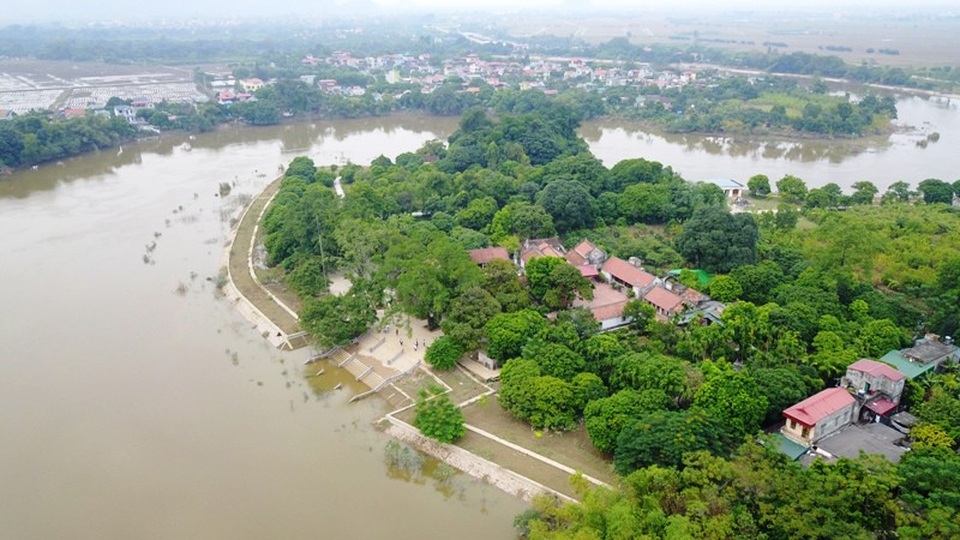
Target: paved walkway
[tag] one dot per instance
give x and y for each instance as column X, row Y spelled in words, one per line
column 402, row 346
column 389, row 351
column 273, row 318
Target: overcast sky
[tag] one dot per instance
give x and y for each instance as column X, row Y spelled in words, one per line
column 19, row 11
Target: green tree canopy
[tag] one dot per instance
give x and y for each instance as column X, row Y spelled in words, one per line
column 507, row 333
column 734, row 400
column 443, row 353
column 725, row 288
column 664, row 438
column 717, row 241
column 555, row 283
column 569, row 203
column 936, row 191
column 439, row 419
column 792, row 189
column 467, row 315
column 336, row 320
column 605, row 418
column 501, row 281
column 759, row 185
column 863, row 192
column 554, row 359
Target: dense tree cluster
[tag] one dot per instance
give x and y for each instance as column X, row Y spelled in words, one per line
column 772, row 105
column 30, row 139
column 375, row 234
column 802, row 304
column 758, row 493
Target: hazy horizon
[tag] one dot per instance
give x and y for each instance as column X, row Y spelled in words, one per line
column 68, row 11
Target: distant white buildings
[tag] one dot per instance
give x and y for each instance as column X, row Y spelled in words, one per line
column 731, row 188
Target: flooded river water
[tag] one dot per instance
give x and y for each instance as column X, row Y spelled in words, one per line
column 138, row 404
column 905, row 155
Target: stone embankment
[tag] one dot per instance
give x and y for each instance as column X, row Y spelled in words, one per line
column 272, row 319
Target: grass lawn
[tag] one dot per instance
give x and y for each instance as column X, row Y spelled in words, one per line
column 517, row 462
column 572, row 448
column 272, row 279
column 762, row 204
column 462, row 386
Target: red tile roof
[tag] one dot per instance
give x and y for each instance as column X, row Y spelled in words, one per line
column 612, row 311
column 543, row 249
column 578, row 255
column 485, row 255
column 663, row 299
column 549, row 251
column 882, row 406
column 872, row 367
column 692, row 296
column 584, row 248
column 588, row 270
column 575, row 258
column 819, row 406
column 627, row 273
column 607, row 302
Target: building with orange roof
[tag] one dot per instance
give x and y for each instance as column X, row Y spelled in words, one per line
column 606, row 306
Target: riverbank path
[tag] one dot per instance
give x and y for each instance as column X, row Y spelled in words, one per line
column 241, row 271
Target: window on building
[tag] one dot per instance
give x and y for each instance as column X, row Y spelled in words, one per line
column 805, row 433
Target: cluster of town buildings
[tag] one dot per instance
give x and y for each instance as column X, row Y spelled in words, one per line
column 526, row 73
column 423, row 71
column 426, row 73
column 864, row 412
column 615, row 282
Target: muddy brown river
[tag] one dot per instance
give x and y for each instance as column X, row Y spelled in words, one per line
column 138, row 404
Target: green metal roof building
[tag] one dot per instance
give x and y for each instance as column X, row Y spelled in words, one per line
column 904, row 365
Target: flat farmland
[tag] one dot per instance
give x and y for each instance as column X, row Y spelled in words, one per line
column 922, row 39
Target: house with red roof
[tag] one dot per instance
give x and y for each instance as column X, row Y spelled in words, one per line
column 666, row 302
column 484, row 255
column 876, row 385
column 820, row 415
column 589, row 271
column 586, row 253
column 540, row 247
column 620, row 272
column 607, row 306
column 69, row 112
